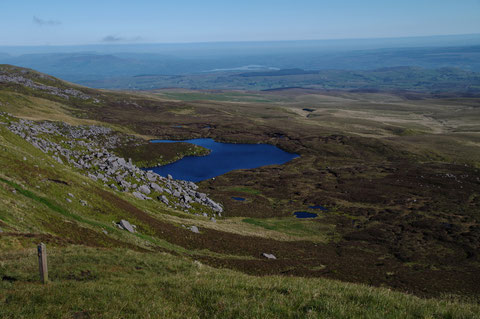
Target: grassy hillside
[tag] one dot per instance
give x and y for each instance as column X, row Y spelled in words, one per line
column 118, row 283
column 374, row 233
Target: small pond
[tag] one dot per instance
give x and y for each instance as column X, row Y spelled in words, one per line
column 223, row 158
column 240, row 199
column 305, row 215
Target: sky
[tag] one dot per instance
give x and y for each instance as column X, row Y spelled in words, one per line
column 60, row 22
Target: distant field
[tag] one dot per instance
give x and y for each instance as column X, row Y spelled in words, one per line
column 416, row 79
column 227, row 96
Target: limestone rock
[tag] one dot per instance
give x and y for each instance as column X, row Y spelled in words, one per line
column 194, row 229
column 144, row 189
column 139, row 195
column 269, row 256
column 126, row 225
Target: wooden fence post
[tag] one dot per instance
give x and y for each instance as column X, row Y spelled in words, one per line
column 42, row 262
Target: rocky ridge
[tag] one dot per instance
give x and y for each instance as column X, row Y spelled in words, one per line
column 89, row 149
column 65, row 93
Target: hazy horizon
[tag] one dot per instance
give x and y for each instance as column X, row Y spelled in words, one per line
column 54, row 22
column 292, row 45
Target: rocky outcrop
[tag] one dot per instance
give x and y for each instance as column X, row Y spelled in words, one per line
column 65, row 93
column 89, row 149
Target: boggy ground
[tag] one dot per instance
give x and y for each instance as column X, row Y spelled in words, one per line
column 399, row 177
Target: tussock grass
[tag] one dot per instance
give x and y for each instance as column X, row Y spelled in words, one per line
column 116, row 283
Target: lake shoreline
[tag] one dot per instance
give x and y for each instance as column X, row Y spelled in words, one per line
column 226, row 157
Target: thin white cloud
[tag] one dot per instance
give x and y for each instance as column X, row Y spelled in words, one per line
column 42, row 22
column 115, row 38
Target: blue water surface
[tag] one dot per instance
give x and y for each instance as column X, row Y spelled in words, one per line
column 223, row 158
column 241, row 199
column 305, row 215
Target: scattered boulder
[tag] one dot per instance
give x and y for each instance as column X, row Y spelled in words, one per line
column 90, row 149
column 163, row 199
column 269, row 256
column 194, row 229
column 144, row 189
column 126, row 225
column 68, row 200
column 155, row 187
column 139, row 195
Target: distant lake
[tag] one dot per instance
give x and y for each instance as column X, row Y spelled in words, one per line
column 223, row 158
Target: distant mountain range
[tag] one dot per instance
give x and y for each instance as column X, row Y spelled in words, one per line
column 125, row 66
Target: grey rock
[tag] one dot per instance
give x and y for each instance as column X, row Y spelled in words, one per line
column 163, row 198
column 192, row 185
column 213, row 219
column 194, row 229
column 144, row 189
column 105, row 232
column 139, row 195
column 169, row 176
column 269, row 256
column 71, row 195
column 68, row 200
column 176, row 194
column 83, row 203
column 157, row 188
column 125, row 184
column 201, row 195
column 126, row 225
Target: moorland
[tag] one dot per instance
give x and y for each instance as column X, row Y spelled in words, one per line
column 397, row 170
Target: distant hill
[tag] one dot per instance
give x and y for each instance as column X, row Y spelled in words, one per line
column 402, row 78
column 277, row 73
column 104, row 69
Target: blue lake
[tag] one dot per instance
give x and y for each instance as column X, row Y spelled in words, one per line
column 305, row 215
column 223, row 158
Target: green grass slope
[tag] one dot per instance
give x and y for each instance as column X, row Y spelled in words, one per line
column 119, row 283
